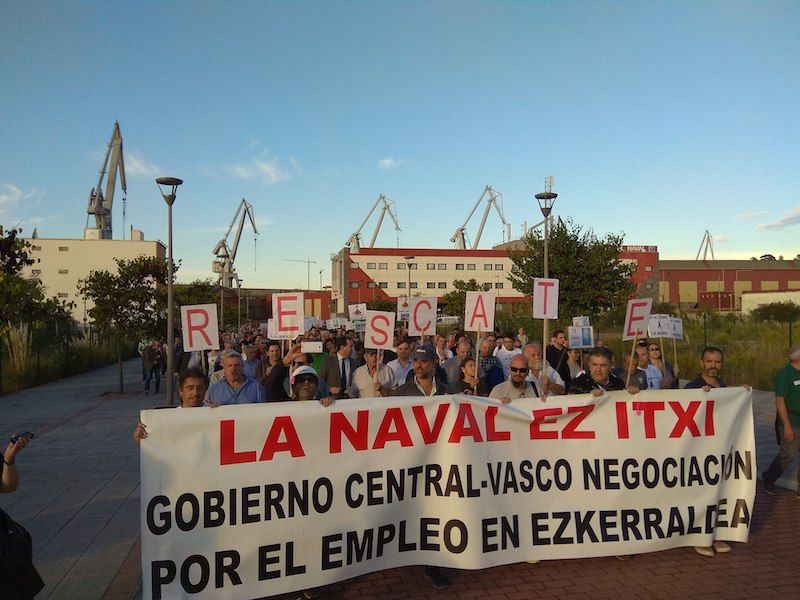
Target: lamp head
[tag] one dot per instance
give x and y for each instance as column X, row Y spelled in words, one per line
column 170, row 182
column 546, row 201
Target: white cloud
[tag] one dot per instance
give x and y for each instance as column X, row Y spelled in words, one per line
column 136, row 165
column 752, row 215
column 11, row 195
column 789, row 218
column 390, row 163
column 262, row 168
column 723, row 237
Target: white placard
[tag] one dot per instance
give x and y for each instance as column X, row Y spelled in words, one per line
column 288, row 310
column 422, row 316
column 545, row 298
column 479, row 311
column 379, row 331
column 271, row 334
column 403, row 308
column 659, row 326
column 637, row 316
column 580, row 322
column 580, row 337
column 677, row 328
column 199, row 326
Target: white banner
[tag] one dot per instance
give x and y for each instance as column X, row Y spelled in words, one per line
column 403, row 309
column 199, row 327
column 545, row 298
column 379, row 333
column 479, row 311
column 291, row 495
column 358, row 316
column 422, row 316
column 677, row 328
column 580, row 337
column 659, row 326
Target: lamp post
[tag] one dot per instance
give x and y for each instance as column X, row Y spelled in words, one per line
column 546, row 199
column 169, row 197
column 239, row 303
column 408, row 268
column 320, row 278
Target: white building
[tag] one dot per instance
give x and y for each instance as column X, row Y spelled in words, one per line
column 60, row 263
column 384, row 274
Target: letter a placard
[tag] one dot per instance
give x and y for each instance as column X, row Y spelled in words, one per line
column 422, row 316
column 545, row 298
column 288, row 310
column 199, row 325
column 380, row 330
column 479, row 311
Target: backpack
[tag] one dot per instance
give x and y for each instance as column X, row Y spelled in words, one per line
column 18, row 577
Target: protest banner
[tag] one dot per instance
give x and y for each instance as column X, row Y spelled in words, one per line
column 676, row 324
column 243, row 501
column 199, row 327
column 379, row 330
column 271, row 333
column 545, row 298
column 580, row 337
column 580, row 322
column 403, row 309
column 659, row 326
column 357, row 313
column 422, row 316
column 479, row 311
column 288, row 310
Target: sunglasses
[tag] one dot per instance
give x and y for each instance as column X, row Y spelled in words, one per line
column 518, row 370
column 299, row 363
column 304, row 379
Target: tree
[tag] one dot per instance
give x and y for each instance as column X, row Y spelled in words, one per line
column 453, row 302
column 784, row 312
column 384, row 305
column 592, row 277
column 203, row 291
column 127, row 302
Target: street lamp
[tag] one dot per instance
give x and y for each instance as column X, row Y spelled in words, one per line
column 239, row 302
column 546, row 199
column 169, row 197
column 408, row 268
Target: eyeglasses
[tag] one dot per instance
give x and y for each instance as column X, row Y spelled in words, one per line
column 304, row 379
column 518, row 370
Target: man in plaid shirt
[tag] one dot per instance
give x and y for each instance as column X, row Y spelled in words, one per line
column 489, row 368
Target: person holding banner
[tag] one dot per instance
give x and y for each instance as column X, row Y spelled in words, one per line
column 787, row 403
column 305, row 386
column 655, row 379
column 372, row 379
column 191, row 392
column 599, row 379
column 236, row 387
column 547, row 383
column 517, row 385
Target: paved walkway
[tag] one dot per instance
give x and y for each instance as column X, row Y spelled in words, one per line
column 79, row 498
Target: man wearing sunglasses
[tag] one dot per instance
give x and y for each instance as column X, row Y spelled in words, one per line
column 517, row 384
column 304, row 360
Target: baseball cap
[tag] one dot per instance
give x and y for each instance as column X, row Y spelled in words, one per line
column 424, row 353
column 304, row 370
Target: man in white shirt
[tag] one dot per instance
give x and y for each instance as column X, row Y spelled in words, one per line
column 372, row 379
column 547, row 382
column 506, row 352
column 401, row 365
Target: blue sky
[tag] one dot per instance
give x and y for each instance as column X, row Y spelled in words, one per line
column 657, row 119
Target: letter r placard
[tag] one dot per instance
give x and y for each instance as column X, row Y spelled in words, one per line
column 199, row 326
column 545, row 298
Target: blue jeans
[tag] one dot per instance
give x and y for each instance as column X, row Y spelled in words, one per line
column 155, row 370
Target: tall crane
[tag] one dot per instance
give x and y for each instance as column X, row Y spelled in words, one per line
column 705, row 246
column 354, row 243
column 495, row 199
column 225, row 255
column 100, row 204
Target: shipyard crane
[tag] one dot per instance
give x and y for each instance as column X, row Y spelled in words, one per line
column 354, row 243
column 226, row 255
column 99, row 203
column 495, row 199
column 705, row 246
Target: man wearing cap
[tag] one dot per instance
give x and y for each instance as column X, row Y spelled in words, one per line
column 305, row 386
column 372, row 379
column 424, row 384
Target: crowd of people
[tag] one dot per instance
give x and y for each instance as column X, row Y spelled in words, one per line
column 250, row 368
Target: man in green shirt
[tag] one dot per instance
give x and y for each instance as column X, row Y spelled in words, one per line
column 787, row 402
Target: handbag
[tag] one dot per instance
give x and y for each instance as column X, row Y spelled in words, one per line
column 19, row 579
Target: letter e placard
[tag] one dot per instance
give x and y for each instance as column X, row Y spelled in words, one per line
column 199, row 325
column 288, row 310
column 637, row 317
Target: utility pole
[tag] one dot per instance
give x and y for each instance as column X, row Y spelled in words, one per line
column 309, row 262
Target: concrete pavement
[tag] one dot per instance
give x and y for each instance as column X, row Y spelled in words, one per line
column 79, row 498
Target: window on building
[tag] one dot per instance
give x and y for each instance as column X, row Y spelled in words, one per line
column 370, row 284
column 442, row 266
column 498, row 267
column 355, row 284
column 487, row 287
column 370, row 265
column 648, row 268
column 412, row 266
column 487, row 267
column 430, row 266
column 383, row 285
column 498, row 285
column 36, row 272
column 442, row 285
column 63, row 271
column 471, row 267
column 383, row 266
column 401, row 266
column 401, row 285
column 648, row 286
column 431, row 285
column 36, row 248
column 413, row 285
column 459, row 266
column 63, row 248
column 63, row 295
column 353, row 265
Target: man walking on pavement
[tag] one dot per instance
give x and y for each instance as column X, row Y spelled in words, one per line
column 787, row 403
